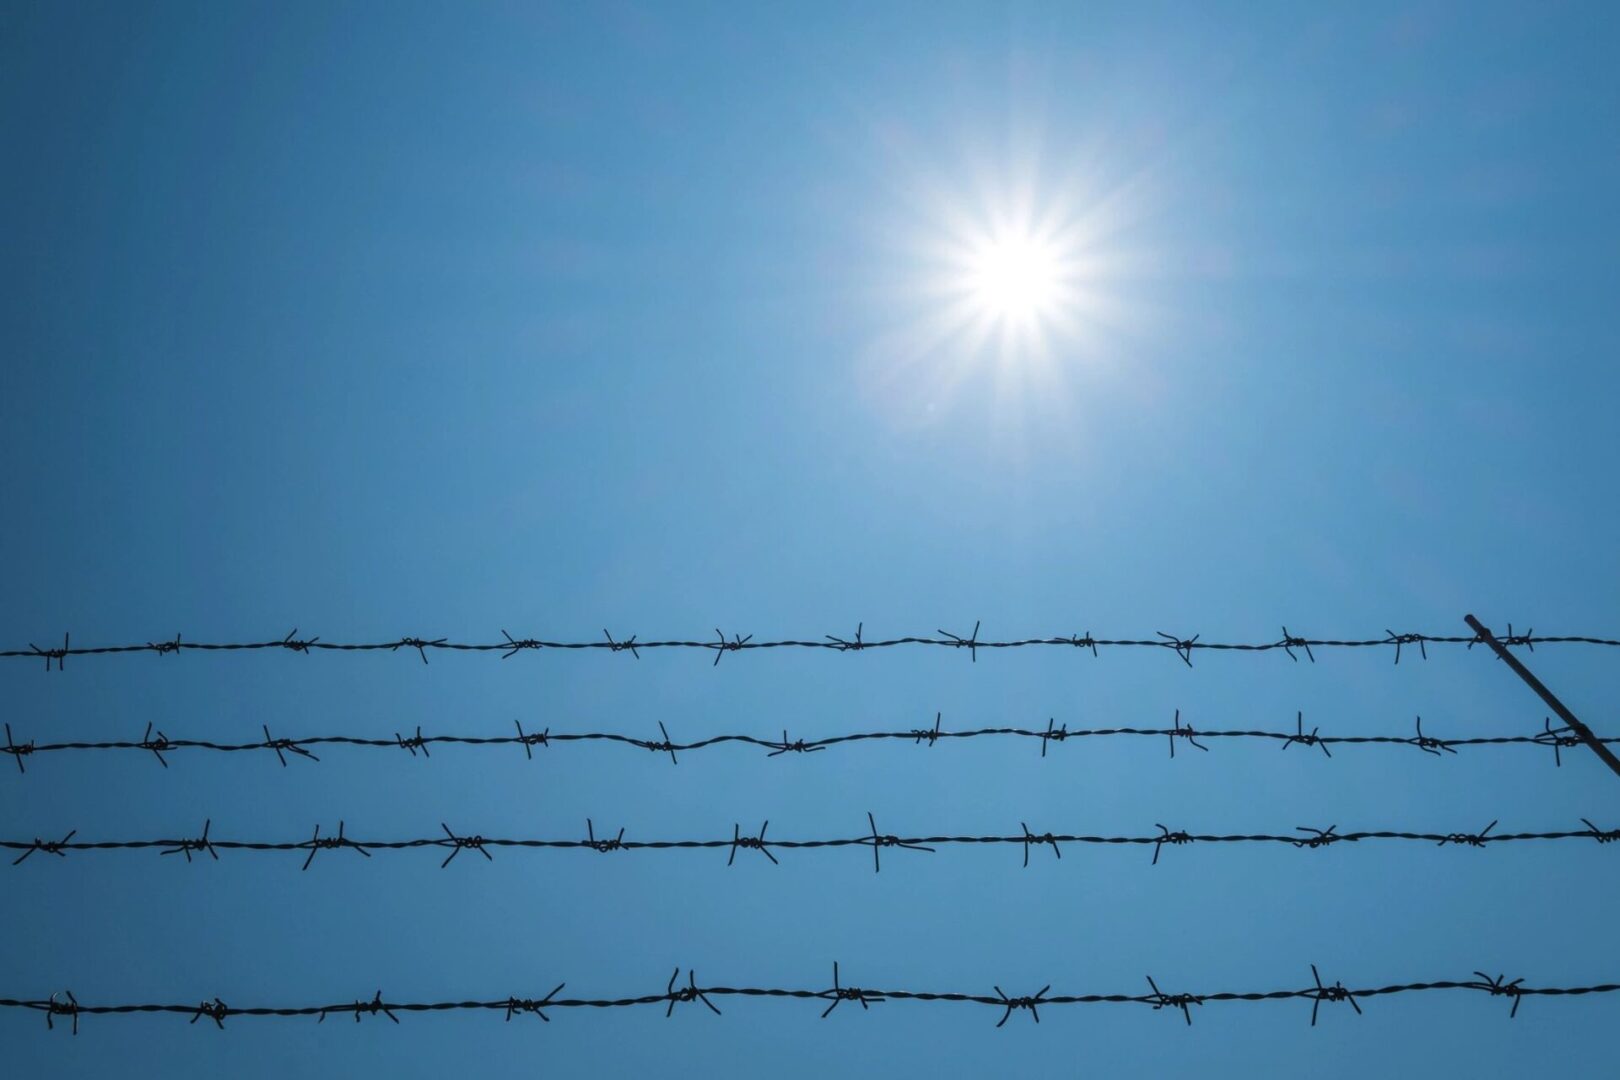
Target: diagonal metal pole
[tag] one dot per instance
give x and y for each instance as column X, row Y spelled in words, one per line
column 1580, row 729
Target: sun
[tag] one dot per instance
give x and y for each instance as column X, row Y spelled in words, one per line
column 1015, row 277
column 1007, row 286
column 1012, row 282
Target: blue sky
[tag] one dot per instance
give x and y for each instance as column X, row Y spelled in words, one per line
column 395, row 319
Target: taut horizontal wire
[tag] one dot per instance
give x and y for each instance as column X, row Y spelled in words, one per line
column 159, row 744
column 66, row 1007
column 1302, row 837
column 1182, row 646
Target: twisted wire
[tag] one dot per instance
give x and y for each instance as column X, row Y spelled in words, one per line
column 1183, row 646
column 1557, row 739
column 1302, row 838
column 67, row 1008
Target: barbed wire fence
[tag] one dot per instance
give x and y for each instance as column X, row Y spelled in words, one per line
column 157, row 743
column 1183, row 646
column 64, row 1006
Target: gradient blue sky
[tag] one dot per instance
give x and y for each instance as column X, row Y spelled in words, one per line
column 399, row 319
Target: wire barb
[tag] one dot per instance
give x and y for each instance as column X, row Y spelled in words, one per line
column 374, row 1006
column 663, row 747
column 1555, row 738
column 752, row 843
column 529, row 741
column 1479, row 839
column 603, row 845
column 1510, row 639
column 414, row 743
column 215, row 1010
column 457, row 843
column 421, row 645
column 1087, row 642
column 530, row 1005
column 1029, row 1003
column 316, row 843
column 689, row 992
column 855, row 645
column 18, row 751
column 161, row 647
column 186, row 847
column 1429, row 745
column 931, row 734
column 1053, row 734
column 69, row 1008
column 1499, row 987
column 798, row 746
column 839, row 992
column 1299, row 736
column 49, row 847
column 1185, row 733
column 620, row 646
column 1289, row 643
column 1319, row 837
column 1168, row 837
column 888, row 840
column 1043, row 838
column 60, row 656
column 1161, row 1000
column 293, row 644
column 721, row 647
column 278, row 745
column 1183, row 646
column 970, row 643
column 1398, row 640
column 517, row 645
column 1322, row 993
column 157, row 745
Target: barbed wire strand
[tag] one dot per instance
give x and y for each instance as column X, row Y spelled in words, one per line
column 64, row 1006
column 1557, row 739
column 1302, row 837
column 1183, row 647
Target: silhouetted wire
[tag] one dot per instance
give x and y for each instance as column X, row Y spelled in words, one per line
column 64, row 1006
column 1302, row 837
column 67, row 1007
column 159, row 744
column 1182, row 646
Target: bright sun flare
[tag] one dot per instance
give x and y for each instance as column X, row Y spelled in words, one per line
column 1014, row 277
column 1009, row 290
